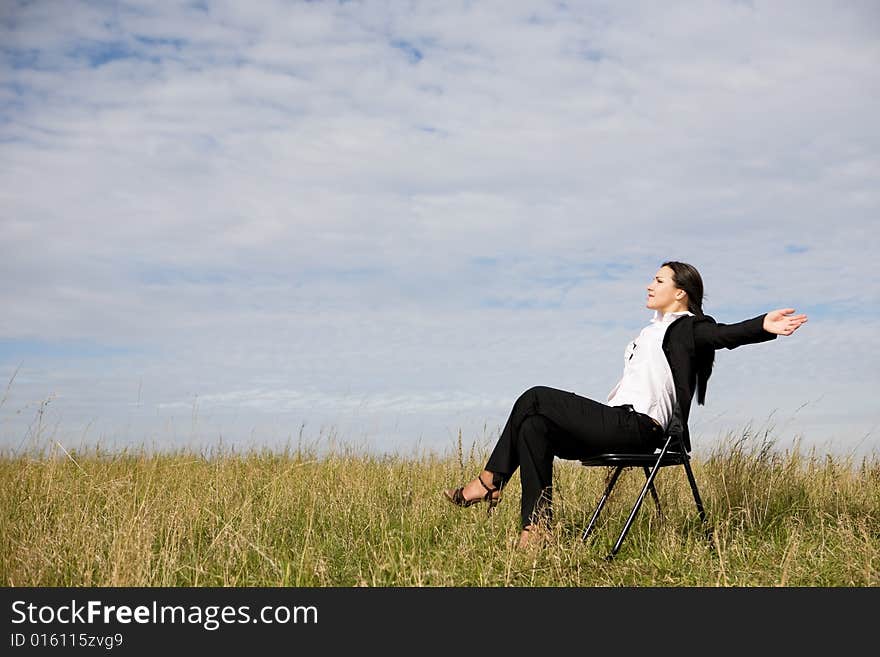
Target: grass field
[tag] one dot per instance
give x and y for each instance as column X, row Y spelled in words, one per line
column 347, row 518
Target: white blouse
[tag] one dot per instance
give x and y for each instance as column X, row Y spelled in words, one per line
column 647, row 379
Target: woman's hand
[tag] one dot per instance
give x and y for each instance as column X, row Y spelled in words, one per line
column 779, row 322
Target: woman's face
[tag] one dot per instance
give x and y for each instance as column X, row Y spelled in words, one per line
column 662, row 291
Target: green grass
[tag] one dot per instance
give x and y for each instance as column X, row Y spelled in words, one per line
column 347, row 518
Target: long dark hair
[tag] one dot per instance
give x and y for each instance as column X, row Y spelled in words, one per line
column 687, row 278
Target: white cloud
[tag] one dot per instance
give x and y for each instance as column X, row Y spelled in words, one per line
column 413, row 206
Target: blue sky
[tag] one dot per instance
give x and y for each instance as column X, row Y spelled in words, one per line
column 378, row 223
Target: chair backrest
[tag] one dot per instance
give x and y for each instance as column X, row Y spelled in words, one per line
column 675, row 430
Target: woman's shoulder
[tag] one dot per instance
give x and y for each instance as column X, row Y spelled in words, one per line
column 682, row 331
column 692, row 320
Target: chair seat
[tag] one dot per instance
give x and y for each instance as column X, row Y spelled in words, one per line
column 636, row 460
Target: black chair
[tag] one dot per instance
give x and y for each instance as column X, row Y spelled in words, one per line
column 673, row 452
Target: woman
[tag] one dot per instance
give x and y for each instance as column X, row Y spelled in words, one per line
column 670, row 359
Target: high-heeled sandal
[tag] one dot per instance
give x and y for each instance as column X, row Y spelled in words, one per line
column 458, row 499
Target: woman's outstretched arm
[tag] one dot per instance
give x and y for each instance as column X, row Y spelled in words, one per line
column 780, row 323
column 758, row 329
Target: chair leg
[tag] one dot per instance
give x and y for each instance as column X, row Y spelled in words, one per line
column 638, row 504
column 602, row 501
column 697, row 499
column 654, row 493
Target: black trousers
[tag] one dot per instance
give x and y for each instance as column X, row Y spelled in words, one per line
column 546, row 423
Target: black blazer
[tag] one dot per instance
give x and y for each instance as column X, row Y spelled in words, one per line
column 689, row 344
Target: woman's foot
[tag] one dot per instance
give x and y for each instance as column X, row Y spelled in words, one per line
column 533, row 536
column 476, row 490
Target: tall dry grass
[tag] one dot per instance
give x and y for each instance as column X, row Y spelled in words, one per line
column 348, row 518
